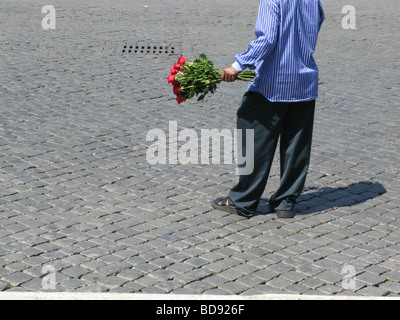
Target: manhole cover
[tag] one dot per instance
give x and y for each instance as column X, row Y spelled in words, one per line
column 152, row 48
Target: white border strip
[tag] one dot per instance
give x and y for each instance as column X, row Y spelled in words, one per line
column 166, row 297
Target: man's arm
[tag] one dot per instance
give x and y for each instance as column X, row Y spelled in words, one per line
column 321, row 15
column 267, row 34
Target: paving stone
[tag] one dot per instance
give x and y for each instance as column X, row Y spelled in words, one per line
column 200, row 286
column 111, row 282
column 233, row 287
column 296, row 288
column 279, row 283
column 75, row 271
column 71, row 284
column 370, row 278
column 330, row 277
column 4, row 285
column 168, row 286
column 372, row 291
column 163, row 275
column 77, row 192
column 392, row 276
column 329, row 289
column 16, row 278
column 393, row 287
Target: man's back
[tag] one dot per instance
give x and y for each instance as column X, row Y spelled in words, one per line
column 287, row 33
column 280, row 105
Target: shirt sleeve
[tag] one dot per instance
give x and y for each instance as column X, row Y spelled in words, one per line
column 321, row 14
column 238, row 67
column 266, row 31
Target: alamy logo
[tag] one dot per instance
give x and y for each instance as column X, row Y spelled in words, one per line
column 186, row 147
column 349, row 20
column 49, row 21
column 49, row 280
column 349, row 280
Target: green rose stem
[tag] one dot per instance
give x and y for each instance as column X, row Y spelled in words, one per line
column 242, row 76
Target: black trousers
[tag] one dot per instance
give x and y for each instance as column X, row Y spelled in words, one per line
column 292, row 124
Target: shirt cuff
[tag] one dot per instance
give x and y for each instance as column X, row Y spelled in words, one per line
column 237, row 66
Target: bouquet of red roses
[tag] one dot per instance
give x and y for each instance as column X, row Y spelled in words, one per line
column 198, row 78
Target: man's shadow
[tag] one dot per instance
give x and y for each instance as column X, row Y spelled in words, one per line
column 328, row 198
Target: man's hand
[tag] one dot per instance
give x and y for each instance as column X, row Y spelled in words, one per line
column 229, row 74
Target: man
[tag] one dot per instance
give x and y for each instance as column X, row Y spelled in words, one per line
column 280, row 103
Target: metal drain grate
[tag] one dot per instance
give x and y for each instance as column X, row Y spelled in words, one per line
column 151, row 48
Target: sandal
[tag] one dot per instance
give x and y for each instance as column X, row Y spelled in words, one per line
column 225, row 204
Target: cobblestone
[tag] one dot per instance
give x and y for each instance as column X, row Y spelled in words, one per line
column 77, row 193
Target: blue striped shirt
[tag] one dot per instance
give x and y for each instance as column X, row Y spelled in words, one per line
column 282, row 54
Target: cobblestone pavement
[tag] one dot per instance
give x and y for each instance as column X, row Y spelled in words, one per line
column 77, row 194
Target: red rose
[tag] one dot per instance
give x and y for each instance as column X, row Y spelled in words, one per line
column 179, row 99
column 182, row 60
column 177, row 66
column 177, row 90
column 173, row 71
column 171, row 78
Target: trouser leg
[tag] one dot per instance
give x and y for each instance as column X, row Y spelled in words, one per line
column 266, row 119
column 295, row 152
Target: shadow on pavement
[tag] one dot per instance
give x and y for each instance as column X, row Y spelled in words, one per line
column 328, row 198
